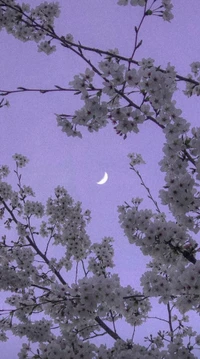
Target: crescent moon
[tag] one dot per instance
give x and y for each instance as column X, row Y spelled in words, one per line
column 104, row 179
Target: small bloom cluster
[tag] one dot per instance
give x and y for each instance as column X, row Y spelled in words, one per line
column 26, row 191
column 32, row 208
column 186, row 285
column 128, row 350
column 70, row 222
column 15, row 200
column 22, row 230
column 44, row 231
column 193, row 86
column 156, row 285
column 136, row 159
column 99, row 294
column 67, row 127
column 178, row 350
column 45, row 46
column 46, row 12
column 59, row 208
column 23, row 353
column 93, row 115
column 166, row 14
column 20, row 160
column 30, row 24
column 38, row 331
column 158, row 86
column 195, row 67
column 4, row 171
column 11, row 279
column 23, row 256
column 77, row 244
column 126, row 120
column 135, row 307
column 16, row 267
column 5, row 191
column 23, row 303
column 83, row 81
column 153, row 85
column 70, row 347
column 92, row 297
column 103, row 256
column 180, row 192
column 161, row 239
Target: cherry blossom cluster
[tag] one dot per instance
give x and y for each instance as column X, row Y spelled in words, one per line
column 154, row 87
column 165, row 12
column 192, row 86
column 127, row 350
column 94, row 296
column 169, row 284
column 37, row 331
column 163, row 240
column 98, row 297
column 28, row 24
column 69, row 223
column 116, row 76
column 73, row 312
column 103, row 256
column 20, row 160
column 180, row 192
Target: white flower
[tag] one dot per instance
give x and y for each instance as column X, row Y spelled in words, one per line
column 136, row 159
column 45, row 46
column 132, row 77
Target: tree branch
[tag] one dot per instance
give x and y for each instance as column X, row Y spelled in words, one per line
column 107, row 329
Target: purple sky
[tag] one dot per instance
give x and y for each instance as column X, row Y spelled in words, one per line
column 28, row 126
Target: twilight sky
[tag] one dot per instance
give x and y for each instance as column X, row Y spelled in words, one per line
column 29, row 127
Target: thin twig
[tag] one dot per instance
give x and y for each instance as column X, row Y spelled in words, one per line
column 43, row 91
column 147, row 189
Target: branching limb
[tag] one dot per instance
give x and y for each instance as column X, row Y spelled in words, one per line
column 114, row 335
column 43, row 91
column 147, row 189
